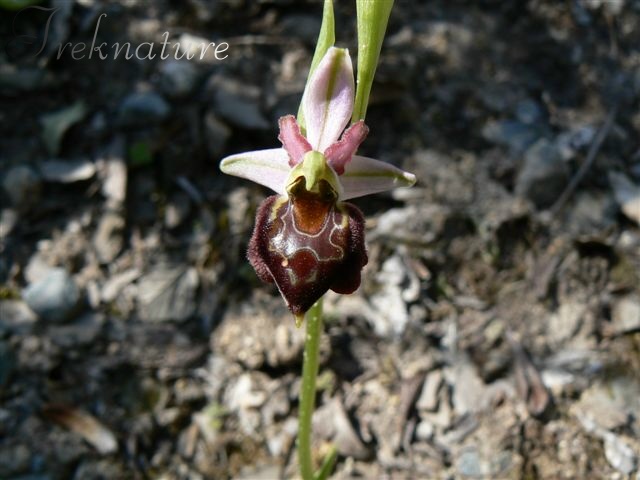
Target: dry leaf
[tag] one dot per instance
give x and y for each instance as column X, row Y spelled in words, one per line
column 84, row 424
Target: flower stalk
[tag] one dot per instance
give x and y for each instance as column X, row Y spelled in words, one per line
column 308, row 389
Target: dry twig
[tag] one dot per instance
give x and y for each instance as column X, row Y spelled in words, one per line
column 591, row 155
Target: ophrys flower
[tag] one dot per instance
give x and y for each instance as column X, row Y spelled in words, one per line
column 307, row 239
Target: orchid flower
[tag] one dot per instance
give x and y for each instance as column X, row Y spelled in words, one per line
column 307, row 239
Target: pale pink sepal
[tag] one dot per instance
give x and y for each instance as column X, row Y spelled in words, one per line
column 328, row 99
column 292, row 140
column 266, row 167
column 340, row 152
column 363, row 176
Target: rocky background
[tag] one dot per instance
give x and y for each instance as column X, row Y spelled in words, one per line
column 497, row 330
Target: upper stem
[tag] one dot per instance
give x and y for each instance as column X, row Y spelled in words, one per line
column 373, row 16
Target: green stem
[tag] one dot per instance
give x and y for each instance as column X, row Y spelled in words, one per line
column 373, row 16
column 308, row 389
column 327, row 464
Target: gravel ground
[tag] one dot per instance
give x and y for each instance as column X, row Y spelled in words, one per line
column 496, row 333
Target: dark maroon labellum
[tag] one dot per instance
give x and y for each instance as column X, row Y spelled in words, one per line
column 308, row 244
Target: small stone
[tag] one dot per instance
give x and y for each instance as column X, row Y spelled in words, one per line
column 245, row 397
column 608, row 405
column 216, row 134
column 276, row 406
column 625, row 316
column 99, row 469
column 469, row 464
column 17, row 317
column 93, row 292
column 113, row 172
column 242, row 395
column 627, row 195
column 498, row 97
column 169, row 417
column 558, row 382
column 84, row 425
column 177, row 210
column 301, row 26
column 37, row 268
column 23, row 186
column 142, row 109
column 331, row 422
column 579, row 361
column 240, row 110
column 186, row 444
column 412, row 223
column 566, row 322
column 206, row 421
column 529, row 112
column 425, row 431
column 168, row 294
column 63, row 171
column 14, row 459
column 199, row 49
column 445, row 181
column 108, row 239
column 571, row 142
column 24, row 79
column 177, row 78
column 163, row 347
column 619, row 454
column 389, row 314
column 188, row 391
column 281, row 436
column 260, row 472
column 8, row 221
column 613, row 7
column 82, row 332
column 428, row 399
column 55, row 124
column 469, row 391
column 592, row 211
column 515, row 135
column 259, row 334
column 115, row 284
column 543, row 176
column 54, row 297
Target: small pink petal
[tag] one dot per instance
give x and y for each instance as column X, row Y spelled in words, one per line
column 339, row 153
column 328, row 99
column 292, row 140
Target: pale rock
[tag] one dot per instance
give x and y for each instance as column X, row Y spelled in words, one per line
column 168, row 294
column 16, row 316
column 625, row 315
column 619, row 454
column 23, row 186
column 428, row 399
column 627, row 195
column 108, row 239
column 566, row 322
column 67, row 171
column 54, row 297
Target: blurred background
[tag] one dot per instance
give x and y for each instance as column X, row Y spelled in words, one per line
column 496, row 333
